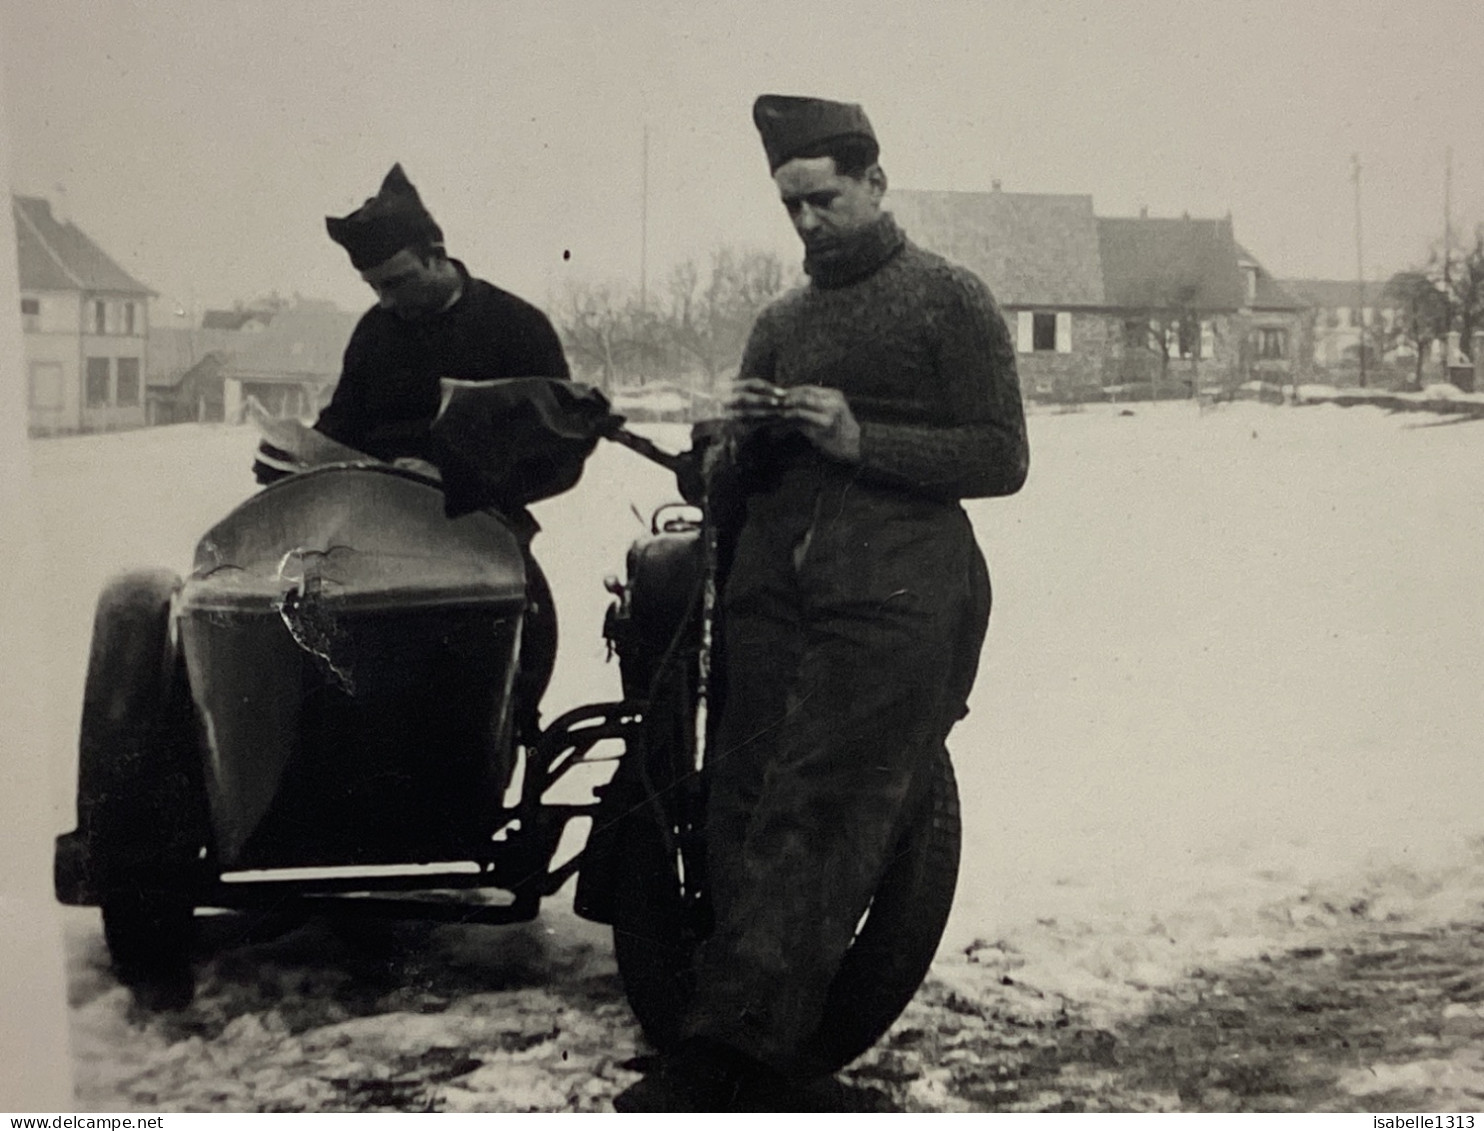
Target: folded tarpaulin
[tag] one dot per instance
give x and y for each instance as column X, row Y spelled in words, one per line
column 508, row 443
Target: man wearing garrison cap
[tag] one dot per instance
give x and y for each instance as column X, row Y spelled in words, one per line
column 869, row 403
column 431, row 320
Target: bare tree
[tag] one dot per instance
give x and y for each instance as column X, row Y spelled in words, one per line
column 702, row 321
column 1169, row 328
column 597, row 323
column 709, row 316
column 1421, row 314
column 1466, row 282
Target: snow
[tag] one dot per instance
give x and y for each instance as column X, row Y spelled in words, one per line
column 1230, row 693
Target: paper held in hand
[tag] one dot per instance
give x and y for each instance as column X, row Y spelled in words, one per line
column 302, row 445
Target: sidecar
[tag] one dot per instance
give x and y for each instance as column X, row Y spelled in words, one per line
column 324, row 708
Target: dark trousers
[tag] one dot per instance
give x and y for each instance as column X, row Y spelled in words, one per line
column 852, row 627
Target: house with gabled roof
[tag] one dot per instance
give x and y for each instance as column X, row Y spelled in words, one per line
column 1038, row 253
column 1278, row 339
column 184, row 372
column 86, row 327
column 290, row 367
column 1105, row 304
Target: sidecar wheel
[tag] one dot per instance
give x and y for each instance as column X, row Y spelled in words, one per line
column 140, row 797
column 149, row 939
column 655, row 933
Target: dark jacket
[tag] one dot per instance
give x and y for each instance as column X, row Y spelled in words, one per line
column 388, row 393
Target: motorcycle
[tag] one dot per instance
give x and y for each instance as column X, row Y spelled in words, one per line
column 325, row 714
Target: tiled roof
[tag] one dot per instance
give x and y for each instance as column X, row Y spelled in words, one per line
column 1170, row 263
column 301, row 342
column 56, row 256
column 1032, row 249
column 1333, row 293
column 1270, row 294
column 172, row 351
column 234, row 319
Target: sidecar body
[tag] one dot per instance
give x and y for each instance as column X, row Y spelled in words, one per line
column 323, row 707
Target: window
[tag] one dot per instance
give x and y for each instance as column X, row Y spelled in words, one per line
column 128, row 317
column 1269, row 344
column 1043, row 332
column 31, row 314
column 1189, row 337
column 97, row 382
column 128, row 381
column 100, row 317
column 1355, row 315
column 46, row 385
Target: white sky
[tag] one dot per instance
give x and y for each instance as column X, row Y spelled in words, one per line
column 202, row 144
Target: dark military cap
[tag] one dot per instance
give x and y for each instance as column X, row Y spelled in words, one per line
column 806, row 127
column 389, row 221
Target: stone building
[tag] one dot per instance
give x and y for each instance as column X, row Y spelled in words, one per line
column 1114, row 306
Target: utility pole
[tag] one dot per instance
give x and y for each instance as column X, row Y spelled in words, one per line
column 644, row 225
column 1447, row 254
column 1359, row 267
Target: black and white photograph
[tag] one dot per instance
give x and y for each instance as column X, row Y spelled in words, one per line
column 837, row 558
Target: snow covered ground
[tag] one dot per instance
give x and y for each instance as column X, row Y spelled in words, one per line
column 1230, row 691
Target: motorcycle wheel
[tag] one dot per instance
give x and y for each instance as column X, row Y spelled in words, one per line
column 141, row 809
column 655, row 933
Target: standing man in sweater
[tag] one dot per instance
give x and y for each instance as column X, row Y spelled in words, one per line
column 869, row 403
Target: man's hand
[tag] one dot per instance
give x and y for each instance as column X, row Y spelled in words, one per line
column 421, row 466
column 820, row 413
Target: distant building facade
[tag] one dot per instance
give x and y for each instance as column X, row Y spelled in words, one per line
column 1341, row 314
column 1107, row 306
column 185, row 373
column 291, row 366
column 85, row 323
column 288, row 361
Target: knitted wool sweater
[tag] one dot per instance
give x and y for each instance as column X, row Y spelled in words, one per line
column 923, row 356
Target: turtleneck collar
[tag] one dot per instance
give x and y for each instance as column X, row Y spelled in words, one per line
column 860, row 255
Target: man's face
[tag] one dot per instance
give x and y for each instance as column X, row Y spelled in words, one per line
column 409, row 287
column 827, row 208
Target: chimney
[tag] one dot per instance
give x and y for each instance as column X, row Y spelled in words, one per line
column 1143, row 212
column 60, row 212
column 995, row 184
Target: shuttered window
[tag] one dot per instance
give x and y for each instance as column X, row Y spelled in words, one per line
column 1042, row 331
